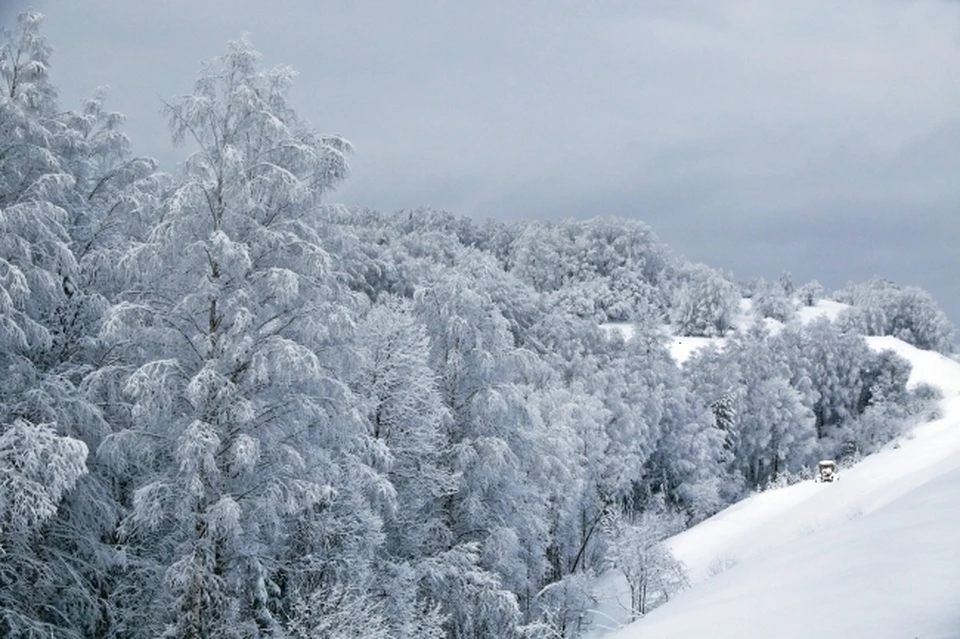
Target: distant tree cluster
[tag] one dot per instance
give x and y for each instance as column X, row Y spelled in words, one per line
column 598, row 270
column 776, row 300
column 229, row 410
column 808, row 392
column 704, row 302
column 905, row 312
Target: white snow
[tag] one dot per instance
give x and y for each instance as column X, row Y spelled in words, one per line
column 681, row 348
column 823, row 308
column 874, row 555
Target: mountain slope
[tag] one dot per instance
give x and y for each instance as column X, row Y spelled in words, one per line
column 876, row 554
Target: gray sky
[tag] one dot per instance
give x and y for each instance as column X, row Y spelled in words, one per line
column 816, row 136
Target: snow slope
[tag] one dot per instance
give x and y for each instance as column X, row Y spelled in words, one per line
column 823, row 308
column 682, row 347
column 874, row 555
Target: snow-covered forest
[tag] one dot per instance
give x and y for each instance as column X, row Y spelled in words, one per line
column 231, row 409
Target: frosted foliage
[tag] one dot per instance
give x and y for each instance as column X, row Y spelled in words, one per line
column 25, row 63
column 246, row 454
column 406, row 415
column 37, row 467
column 337, row 613
column 635, row 382
column 703, row 303
column 774, row 301
column 284, row 165
column 577, row 438
column 564, row 605
column 56, row 517
column 28, row 168
column 685, row 470
column 151, row 504
column 409, row 610
column 776, row 431
column 247, row 425
column 636, row 550
column 810, row 293
column 599, row 269
column 907, row 313
column 765, row 420
column 476, row 603
column 833, row 362
column 35, row 262
column 491, row 432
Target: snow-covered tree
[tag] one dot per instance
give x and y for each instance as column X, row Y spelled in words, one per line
column 831, row 362
column 565, row 605
column 764, row 417
column 785, row 284
column 57, row 558
column 776, row 431
column 703, row 303
column 406, row 421
column 480, row 374
column 28, row 107
column 37, row 469
column 773, row 301
column 605, row 269
column 908, row 313
column 686, row 468
column 724, row 412
column 637, row 551
column 233, row 325
column 810, row 293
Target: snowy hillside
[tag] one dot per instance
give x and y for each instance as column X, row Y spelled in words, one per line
column 681, row 347
column 823, row 308
column 873, row 555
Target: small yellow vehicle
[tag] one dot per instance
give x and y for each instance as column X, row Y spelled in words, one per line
column 827, row 471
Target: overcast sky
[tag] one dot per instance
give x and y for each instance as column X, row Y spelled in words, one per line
column 816, row 136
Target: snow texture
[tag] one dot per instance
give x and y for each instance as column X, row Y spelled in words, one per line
column 823, row 308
